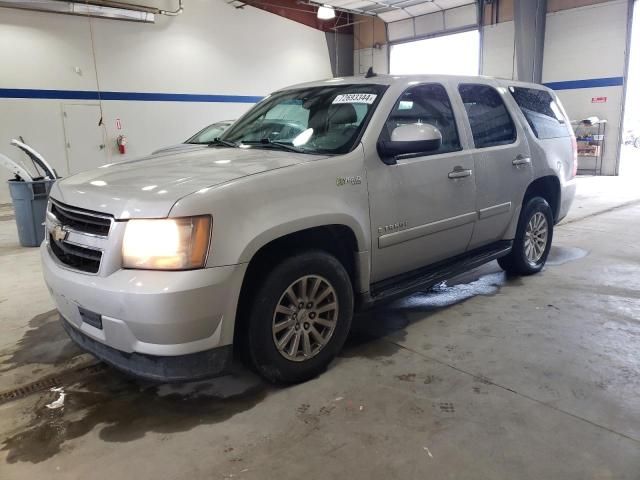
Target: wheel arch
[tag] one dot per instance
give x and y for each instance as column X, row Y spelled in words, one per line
column 547, row 187
column 337, row 239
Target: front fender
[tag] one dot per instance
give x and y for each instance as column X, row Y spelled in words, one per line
column 250, row 212
column 293, row 226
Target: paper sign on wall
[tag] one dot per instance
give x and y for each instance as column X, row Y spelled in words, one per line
column 367, row 98
column 598, row 99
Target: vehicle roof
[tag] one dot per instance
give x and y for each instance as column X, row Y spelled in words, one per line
column 381, row 79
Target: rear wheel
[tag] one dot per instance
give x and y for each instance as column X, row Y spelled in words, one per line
column 300, row 317
column 533, row 239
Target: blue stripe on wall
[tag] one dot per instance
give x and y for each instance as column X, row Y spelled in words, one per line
column 589, row 83
column 191, row 97
column 130, row 96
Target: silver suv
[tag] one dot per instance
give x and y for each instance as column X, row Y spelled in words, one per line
column 324, row 199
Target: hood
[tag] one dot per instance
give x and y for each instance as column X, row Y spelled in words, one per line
column 148, row 187
column 180, row 147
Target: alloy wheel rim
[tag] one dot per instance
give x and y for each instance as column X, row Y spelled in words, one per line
column 305, row 318
column 535, row 238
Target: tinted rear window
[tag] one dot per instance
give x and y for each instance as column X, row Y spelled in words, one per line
column 541, row 111
column 490, row 122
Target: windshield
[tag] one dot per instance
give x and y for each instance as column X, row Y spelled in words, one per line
column 210, row 133
column 327, row 119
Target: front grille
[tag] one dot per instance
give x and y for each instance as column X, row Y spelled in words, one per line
column 88, row 232
column 84, row 221
column 80, row 258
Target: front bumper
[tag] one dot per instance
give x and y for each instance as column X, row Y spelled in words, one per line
column 193, row 366
column 147, row 313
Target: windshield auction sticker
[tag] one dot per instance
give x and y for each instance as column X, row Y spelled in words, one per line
column 367, row 98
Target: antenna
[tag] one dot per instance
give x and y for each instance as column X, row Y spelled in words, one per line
column 370, row 73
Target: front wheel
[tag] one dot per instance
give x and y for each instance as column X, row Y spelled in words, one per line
column 300, row 317
column 533, row 239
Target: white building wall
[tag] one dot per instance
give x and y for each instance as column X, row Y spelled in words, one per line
column 203, row 51
column 498, row 57
column 378, row 58
column 584, row 44
column 581, row 44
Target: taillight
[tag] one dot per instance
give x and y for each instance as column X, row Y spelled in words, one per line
column 574, row 146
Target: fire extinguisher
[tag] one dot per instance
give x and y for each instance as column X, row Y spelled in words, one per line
column 121, row 141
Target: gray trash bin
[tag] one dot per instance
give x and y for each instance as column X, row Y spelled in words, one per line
column 30, row 205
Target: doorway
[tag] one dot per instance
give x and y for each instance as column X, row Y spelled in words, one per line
column 84, row 137
column 455, row 54
column 630, row 150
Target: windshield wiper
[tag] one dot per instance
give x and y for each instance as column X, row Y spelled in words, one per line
column 275, row 144
column 225, row 143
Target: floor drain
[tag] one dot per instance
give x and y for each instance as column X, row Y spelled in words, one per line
column 48, row 382
column 29, row 389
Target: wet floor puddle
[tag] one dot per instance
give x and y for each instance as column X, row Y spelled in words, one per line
column 487, row 280
column 45, row 342
column 562, row 255
column 395, row 317
column 123, row 409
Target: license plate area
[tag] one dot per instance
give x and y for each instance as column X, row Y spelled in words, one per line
column 91, row 318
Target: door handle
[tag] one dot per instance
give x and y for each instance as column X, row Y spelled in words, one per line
column 521, row 160
column 459, row 172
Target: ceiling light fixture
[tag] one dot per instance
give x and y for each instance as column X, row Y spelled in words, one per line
column 326, row 12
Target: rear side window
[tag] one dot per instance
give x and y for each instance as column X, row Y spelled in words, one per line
column 541, row 111
column 489, row 118
column 428, row 103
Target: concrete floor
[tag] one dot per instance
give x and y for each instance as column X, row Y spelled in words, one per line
column 487, row 377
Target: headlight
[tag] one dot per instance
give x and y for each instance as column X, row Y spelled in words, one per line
column 166, row 244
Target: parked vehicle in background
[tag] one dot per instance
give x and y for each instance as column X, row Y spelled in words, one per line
column 325, row 198
column 205, row 136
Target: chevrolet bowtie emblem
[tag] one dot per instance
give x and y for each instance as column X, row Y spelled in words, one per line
column 58, row 233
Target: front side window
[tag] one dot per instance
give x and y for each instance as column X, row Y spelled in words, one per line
column 541, row 111
column 430, row 104
column 327, row 119
column 490, row 122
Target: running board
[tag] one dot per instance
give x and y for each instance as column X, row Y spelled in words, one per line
column 426, row 277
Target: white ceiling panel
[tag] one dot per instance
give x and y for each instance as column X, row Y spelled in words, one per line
column 401, row 30
column 460, row 17
column 360, row 4
column 339, row 3
column 447, row 4
column 396, row 10
column 422, row 9
column 394, row 15
column 429, row 24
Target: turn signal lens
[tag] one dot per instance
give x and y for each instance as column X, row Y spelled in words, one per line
column 166, row 244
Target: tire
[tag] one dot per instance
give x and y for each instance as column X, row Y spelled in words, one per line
column 313, row 321
column 528, row 256
column 636, row 142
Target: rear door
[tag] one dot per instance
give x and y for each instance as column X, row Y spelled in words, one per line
column 502, row 159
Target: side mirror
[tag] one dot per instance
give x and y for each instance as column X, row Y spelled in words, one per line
column 414, row 138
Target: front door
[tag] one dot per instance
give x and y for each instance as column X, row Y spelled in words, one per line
column 502, row 159
column 84, row 137
column 422, row 208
